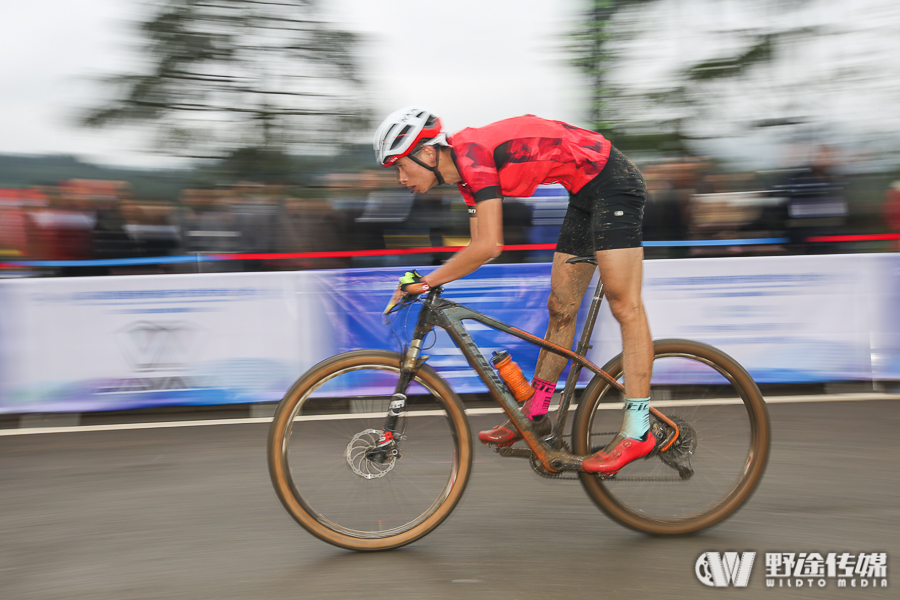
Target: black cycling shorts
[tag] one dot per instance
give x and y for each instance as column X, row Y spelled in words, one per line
column 608, row 212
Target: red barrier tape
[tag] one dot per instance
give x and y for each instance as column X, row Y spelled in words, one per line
column 854, row 238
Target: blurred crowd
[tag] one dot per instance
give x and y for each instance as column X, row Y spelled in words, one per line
column 692, row 208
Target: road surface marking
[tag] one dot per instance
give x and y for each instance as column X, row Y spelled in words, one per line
column 472, row 411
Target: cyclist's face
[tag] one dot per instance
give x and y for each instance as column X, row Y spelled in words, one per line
column 414, row 177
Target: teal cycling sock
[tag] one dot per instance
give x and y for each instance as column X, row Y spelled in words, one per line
column 637, row 417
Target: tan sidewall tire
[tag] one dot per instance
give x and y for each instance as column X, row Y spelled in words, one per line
column 277, row 459
column 760, row 439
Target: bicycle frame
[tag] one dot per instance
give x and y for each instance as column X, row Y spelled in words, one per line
column 297, row 460
column 447, row 315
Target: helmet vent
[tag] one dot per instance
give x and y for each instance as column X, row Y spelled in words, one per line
column 399, row 138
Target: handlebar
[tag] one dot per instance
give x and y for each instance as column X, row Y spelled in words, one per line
column 399, row 301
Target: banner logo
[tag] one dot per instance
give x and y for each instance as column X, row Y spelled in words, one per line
column 716, row 569
column 160, row 346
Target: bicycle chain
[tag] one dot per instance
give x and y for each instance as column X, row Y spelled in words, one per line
column 538, row 468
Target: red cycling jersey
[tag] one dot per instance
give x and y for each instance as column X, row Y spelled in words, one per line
column 514, row 156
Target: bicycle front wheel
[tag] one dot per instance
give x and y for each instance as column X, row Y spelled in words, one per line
column 711, row 469
column 325, row 474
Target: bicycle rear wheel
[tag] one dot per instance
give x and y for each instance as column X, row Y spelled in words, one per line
column 714, row 466
column 318, row 443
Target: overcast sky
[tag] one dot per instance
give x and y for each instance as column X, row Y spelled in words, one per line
column 473, row 62
column 838, row 74
column 476, row 61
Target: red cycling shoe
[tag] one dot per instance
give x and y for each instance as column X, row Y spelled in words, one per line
column 507, row 434
column 619, row 453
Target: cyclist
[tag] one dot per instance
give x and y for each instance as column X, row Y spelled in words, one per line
column 604, row 218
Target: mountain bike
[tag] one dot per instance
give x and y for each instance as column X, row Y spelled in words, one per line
column 371, row 449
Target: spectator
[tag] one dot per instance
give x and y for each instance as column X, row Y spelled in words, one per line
column 110, row 238
column 209, row 225
column 816, row 205
column 311, row 225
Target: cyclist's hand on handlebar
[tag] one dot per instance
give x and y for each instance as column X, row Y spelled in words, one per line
column 410, row 284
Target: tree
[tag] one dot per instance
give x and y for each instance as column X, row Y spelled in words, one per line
column 593, row 50
column 708, row 76
column 223, row 77
column 701, row 100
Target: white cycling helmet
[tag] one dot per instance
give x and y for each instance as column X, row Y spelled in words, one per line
column 400, row 133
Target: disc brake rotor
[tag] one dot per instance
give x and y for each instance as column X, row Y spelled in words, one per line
column 357, row 455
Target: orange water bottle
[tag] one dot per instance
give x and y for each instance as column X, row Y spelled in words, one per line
column 512, row 375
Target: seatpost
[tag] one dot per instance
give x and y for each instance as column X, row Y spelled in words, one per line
column 584, row 344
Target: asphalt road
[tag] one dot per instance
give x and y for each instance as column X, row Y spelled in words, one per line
column 189, row 513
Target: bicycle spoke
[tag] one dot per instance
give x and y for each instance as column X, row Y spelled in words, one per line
column 333, row 482
column 720, row 408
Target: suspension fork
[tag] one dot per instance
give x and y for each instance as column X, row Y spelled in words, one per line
column 409, row 366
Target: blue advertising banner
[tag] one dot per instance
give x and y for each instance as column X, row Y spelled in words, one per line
column 112, row 343
column 515, row 294
column 791, row 319
column 109, row 343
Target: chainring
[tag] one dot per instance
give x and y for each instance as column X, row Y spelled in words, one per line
column 539, row 468
column 676, row 457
